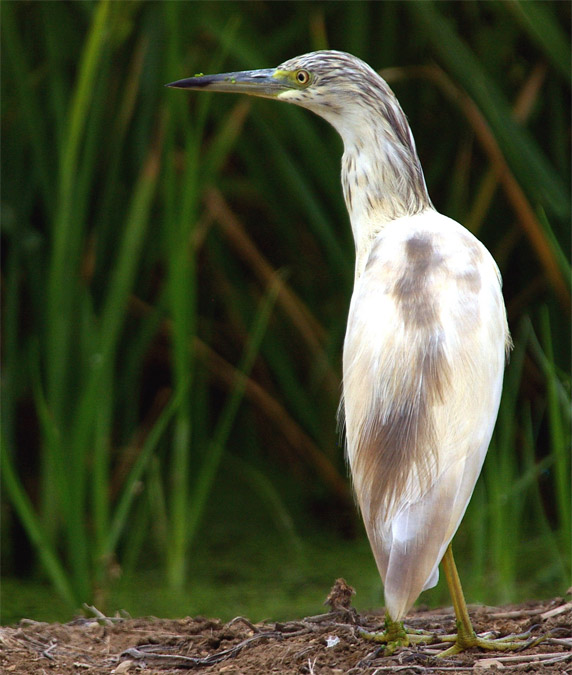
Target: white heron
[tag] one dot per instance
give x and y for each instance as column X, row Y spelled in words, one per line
column 426, row 338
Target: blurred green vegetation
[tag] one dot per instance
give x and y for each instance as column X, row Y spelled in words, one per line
column 176, row 272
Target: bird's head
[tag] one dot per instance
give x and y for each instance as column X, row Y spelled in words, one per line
column 335, row 85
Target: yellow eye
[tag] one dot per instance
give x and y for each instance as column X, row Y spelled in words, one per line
column 302, row 77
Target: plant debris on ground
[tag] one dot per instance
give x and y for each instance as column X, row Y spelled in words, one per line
column 326, row 644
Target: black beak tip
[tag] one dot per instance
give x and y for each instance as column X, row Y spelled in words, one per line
column 196, row 82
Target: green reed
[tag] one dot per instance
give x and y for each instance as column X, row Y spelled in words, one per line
column 177, row 272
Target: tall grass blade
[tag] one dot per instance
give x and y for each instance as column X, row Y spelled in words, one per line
column 211, row 462
column 540, row 25
column 529, row 163
column 33, row 526
column 559, row 424
column 34, row 124
column 119, row 519
column 65, row 240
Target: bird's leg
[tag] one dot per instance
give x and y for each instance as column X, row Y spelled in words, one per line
column 397, row 635
column 466, row 637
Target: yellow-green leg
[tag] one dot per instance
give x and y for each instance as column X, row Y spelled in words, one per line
column 396, row 635
column 466, row 636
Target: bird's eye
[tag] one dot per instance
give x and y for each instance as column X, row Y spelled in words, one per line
column 302, row 77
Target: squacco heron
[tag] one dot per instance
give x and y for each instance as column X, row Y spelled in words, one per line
column 426, row 338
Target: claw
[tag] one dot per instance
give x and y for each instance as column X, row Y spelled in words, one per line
column 396, row 635
column 504, row 644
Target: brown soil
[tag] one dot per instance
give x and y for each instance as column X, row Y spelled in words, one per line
column 322, row 645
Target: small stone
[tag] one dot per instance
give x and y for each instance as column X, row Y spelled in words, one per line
column 484, row 664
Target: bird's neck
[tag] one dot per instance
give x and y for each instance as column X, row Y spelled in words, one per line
column 382, row 180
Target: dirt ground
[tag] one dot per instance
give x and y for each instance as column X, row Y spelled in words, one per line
column 328, row 644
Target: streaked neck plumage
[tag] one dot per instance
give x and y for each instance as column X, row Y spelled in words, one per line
column 382, row 178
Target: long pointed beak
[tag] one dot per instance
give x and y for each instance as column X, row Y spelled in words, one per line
column 267, row 83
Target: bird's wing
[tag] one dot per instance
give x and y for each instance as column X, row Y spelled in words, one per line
column 423, row 366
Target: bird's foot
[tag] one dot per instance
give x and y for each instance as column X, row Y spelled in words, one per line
column 396, row 635
column 465, row 640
